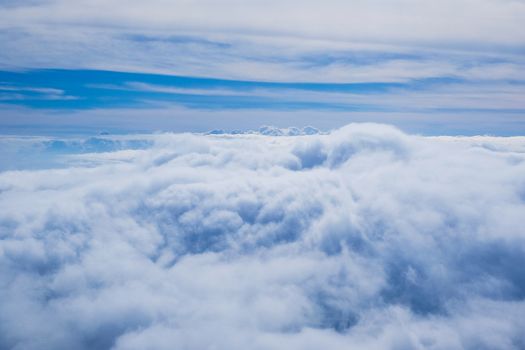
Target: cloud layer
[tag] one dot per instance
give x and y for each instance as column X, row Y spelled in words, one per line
column 270, row 40
column 457, row 60
column 362, row 238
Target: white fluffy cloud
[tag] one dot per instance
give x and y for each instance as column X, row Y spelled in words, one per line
column 362, row 238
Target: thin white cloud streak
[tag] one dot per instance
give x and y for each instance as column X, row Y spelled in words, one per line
column 365, row 238
column 138, row 86
column 484, row 95
column 8, row 92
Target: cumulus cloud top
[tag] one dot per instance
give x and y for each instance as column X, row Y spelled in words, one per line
column 365, row 237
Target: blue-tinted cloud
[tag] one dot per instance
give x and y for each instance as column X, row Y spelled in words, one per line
column 365, row 237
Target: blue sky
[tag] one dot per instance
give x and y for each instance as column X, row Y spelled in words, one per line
column 193, row 66
column 336, row 208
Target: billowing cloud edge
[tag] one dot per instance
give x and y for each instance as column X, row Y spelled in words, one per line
column 361, row 237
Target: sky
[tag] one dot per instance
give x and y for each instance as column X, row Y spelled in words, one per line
column 433, row 68
column 266, row 175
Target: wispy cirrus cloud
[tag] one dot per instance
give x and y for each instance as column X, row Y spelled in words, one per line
column 23, row 93
column 269, row 40
column 428, row 106
column 473, row 49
